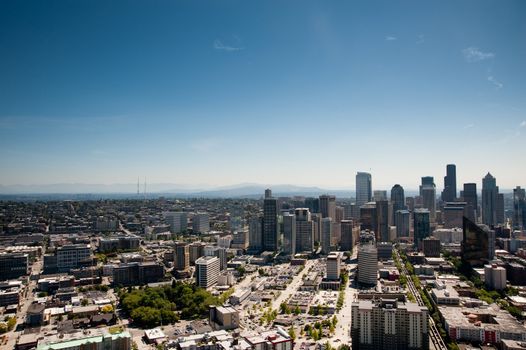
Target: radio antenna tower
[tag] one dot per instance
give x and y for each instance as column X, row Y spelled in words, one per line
column 145, row 188
column 138, row 193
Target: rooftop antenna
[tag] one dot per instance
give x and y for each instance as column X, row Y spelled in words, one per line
column 138, row 193
column 145, row 188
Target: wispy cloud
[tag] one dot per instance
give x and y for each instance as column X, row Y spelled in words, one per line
column 469, row 126
column 421, row 39
column 498, row 84
column 391, row 38
column 206, row 144
column 474, row 54
column 219, row 45
column 523, row 124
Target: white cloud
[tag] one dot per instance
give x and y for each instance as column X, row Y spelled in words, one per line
column 469, row 126
column 523, row 124
column 218, row 45
column 495, row 82
column 421, row 39
column 474, row 54
column 391, row 38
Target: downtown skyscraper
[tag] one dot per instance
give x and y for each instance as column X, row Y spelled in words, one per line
column 397, row 199
column 428, row 193
column 328, row 206
column 471, row 198
column 491, row 202
column 364, row 191
column 449, row 194
column 270, row 223
column 519, row 208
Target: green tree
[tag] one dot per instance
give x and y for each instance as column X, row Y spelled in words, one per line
column 11, row 323
column 284, row 308
column 297, row 310
column 292, row 333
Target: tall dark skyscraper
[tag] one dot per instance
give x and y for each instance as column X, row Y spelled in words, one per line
column 449, row 194
column 478, row 244
column 397, row 199
column 519, row 208
column 427, row 181
column 313, row 204
column 421, row 226
column 328, row 206
column 364, row 190
column 270, row 224
column 382, row 221
column 471, row 199
column 490, row 192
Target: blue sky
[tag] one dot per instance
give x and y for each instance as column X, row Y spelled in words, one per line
column 223, row 92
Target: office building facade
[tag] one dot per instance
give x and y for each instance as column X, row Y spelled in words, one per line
column 402, row 222
column 490, row 192
column 270, row 224
column 478, row 243
column 449, row 194
column 519, row 208
column 367, row 264
column 328, row 206
column 397, row 199
column 178, row 221
column 389, row 324
column 289, row 234
column 207, row 271
column 364, row 189
column 304, row 230
column 421, row 226
column 382, row 221
column 470, row 196
column 200, row 223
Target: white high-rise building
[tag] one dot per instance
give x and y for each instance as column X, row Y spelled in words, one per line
column 206, row 271
column 363, row 188
column 367, row 264
column 219, row 252
column 201, row 223
column 177, row 220
column 495, row 277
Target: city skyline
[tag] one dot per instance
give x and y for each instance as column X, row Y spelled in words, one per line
column 191, row 93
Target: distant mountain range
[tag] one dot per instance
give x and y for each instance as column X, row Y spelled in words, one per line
column 247, row 190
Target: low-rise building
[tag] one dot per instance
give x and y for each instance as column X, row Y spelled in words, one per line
column 487, row 324
column 224, row 317
column 13, row 265
column 93, row 340
column 137, row 273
